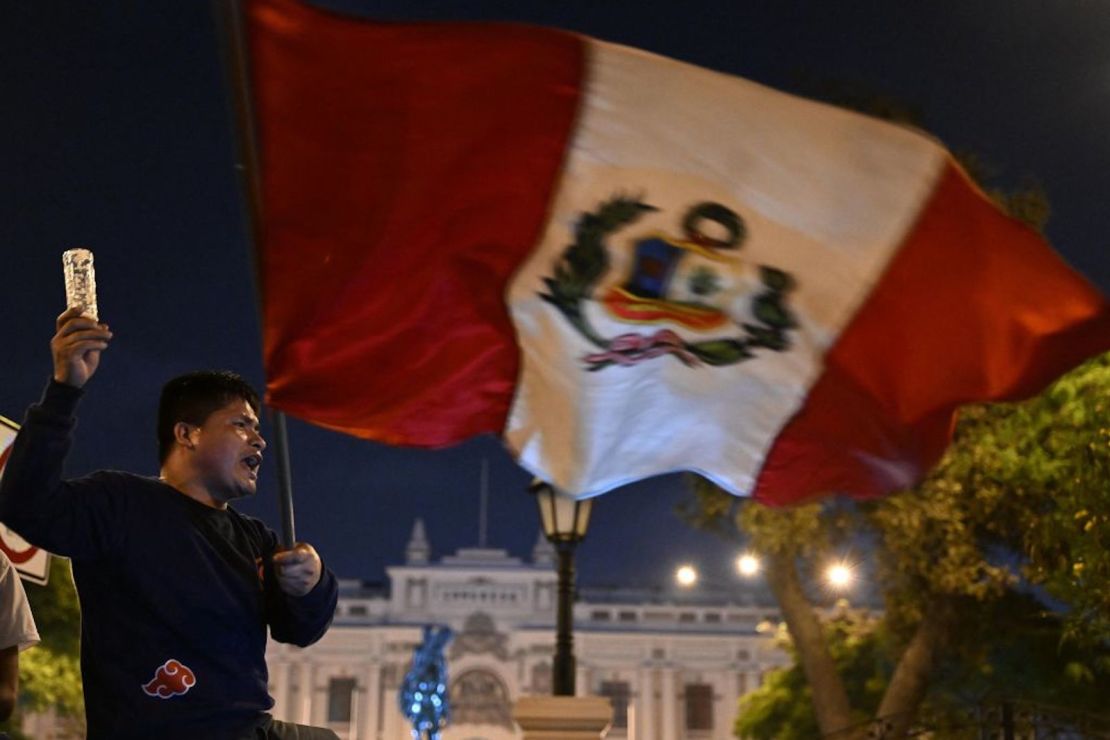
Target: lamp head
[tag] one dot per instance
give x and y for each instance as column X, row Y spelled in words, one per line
column 564, row 518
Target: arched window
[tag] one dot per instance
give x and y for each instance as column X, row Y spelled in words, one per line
column 479, row 697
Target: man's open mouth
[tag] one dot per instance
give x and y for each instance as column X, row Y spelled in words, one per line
column 253, row 462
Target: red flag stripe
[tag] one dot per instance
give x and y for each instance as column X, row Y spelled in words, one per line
column 369, row 102
column 972, row 307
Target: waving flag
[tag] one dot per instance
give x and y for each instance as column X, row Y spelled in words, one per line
column 627, row 265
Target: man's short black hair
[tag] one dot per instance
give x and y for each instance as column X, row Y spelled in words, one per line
column 195, row 396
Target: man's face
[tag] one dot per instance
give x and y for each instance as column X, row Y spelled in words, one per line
column 229, row 451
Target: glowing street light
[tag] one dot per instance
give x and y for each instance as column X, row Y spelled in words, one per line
column 748, row 565
column 686, row 575
column 840, row 575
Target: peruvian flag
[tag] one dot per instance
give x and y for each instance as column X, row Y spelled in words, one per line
column 626, row 265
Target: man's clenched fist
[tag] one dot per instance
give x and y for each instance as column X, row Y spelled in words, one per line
column 77, row 346
column 298, row 570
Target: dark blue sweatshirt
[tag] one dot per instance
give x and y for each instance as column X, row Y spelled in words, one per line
column 175, row 596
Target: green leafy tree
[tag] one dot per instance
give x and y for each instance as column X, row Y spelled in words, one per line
column 781, row 709
column 1012, row 648
column 1021, row 498
column 1050, row 460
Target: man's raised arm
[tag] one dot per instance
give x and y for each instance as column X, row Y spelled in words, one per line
column 34, row 500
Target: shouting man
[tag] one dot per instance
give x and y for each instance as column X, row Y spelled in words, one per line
column 177, row 589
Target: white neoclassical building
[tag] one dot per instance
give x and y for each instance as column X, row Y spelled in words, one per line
column 672, row 664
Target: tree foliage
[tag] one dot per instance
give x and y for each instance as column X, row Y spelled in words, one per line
column 1045, row 466
column 781, row 709
column 1019, row 505
column 1011, row 649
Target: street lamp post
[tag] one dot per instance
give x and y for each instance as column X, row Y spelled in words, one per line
column 564, row 520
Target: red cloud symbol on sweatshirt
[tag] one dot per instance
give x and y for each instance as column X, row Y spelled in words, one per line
column 173, row 678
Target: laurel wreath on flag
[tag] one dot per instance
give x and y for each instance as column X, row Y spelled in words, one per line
column 584, row 262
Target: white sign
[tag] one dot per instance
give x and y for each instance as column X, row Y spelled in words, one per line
column 32, row 563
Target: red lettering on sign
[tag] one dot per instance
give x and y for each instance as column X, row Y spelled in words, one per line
column 18, row 557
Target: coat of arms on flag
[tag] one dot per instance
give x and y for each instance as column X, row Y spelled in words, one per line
column 695, row 283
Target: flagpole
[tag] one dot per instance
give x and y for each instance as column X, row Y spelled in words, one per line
column 285, row 480
column 231, row 33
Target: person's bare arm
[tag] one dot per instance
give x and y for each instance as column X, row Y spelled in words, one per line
column 9, row 681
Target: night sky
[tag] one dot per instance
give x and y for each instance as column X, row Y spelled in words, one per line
column 116, row 136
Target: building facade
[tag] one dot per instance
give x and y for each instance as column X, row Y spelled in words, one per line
column 672, row 664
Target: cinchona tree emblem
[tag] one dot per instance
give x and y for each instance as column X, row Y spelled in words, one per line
column 646, row 297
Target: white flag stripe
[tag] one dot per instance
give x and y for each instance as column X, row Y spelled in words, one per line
column 826, row 195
